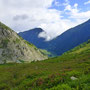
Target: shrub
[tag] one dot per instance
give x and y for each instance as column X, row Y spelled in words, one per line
column 74, row 73
column 4, row 86
column 62, row 87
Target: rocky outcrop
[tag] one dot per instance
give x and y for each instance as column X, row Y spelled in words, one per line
column 14, row 49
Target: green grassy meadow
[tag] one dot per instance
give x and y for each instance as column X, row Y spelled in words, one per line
column 52, row 74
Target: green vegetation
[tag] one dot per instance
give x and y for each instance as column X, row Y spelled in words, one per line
column 81, row 47
column 45, row 52
column 1, row 46
column 4, row 43
column 2, row 26
column 29, row 44
column 52, row 74
column 17, row 40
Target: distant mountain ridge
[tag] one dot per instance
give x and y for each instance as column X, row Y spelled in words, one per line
column 32, row 37
column 64, row 42
column 15, row 49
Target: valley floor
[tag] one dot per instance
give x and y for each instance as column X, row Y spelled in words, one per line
column 46, row 75
column 71, row 71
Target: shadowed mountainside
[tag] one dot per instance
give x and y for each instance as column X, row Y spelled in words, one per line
column 66, row 41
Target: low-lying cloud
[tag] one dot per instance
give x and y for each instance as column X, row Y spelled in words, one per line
column 88, row 2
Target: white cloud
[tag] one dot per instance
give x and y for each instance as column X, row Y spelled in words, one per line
column 55, row 28
column 66, row 2
column 22, row 15
column 88, row 2
column 57, row 3
column 76, row 5
column 75, row 14
column 45, row 35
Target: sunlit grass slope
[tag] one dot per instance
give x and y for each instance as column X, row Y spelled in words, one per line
column 71, row 71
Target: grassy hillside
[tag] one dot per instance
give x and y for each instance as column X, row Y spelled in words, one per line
column 71, row 71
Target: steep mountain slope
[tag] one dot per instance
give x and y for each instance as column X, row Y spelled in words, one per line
column 32, row 36
column 14, row 49
column 71, row 38
column 66, row 41
column 71, row 71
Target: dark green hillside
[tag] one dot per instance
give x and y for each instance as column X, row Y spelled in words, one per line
column 71, row 71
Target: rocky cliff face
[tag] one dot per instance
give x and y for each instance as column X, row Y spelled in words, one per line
column 14, row 49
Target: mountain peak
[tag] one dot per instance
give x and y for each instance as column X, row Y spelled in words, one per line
column 37, row 29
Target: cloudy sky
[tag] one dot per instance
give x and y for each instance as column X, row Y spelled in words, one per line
column 53, row 16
